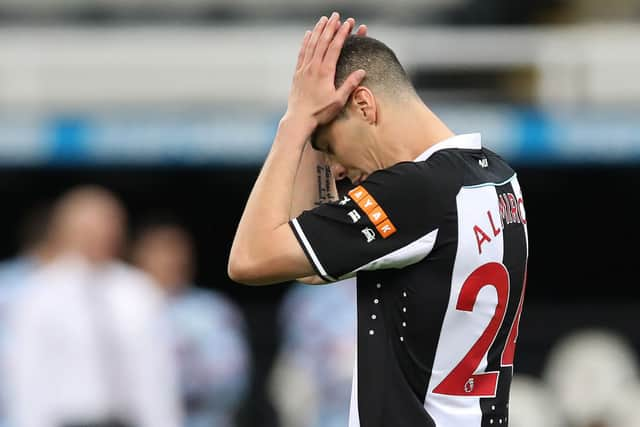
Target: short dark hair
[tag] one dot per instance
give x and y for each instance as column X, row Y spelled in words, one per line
column 384, row 71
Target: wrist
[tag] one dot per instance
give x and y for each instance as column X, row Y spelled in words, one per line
column 297, row 123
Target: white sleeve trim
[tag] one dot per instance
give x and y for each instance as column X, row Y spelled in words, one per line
column 310, row 251
column 412, row 253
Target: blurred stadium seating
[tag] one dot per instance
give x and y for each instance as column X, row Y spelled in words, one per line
column 174, row 94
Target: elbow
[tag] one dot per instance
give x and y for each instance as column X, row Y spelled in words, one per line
column 312, row 280
column 239, row 267
column 257, row 267
column 243, row 271
column 238, row 271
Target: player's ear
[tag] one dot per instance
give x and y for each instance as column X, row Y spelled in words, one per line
column 364, row 104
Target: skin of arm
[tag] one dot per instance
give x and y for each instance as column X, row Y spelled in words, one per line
column 314, row 182
column 264, row 249
column 314, row 185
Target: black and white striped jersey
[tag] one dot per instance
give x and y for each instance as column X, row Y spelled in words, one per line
column 439, row 246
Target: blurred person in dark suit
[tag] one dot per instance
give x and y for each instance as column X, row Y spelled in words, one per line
column 208, row 330
column 87, row 346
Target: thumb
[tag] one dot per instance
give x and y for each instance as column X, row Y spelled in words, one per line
column 350, row 84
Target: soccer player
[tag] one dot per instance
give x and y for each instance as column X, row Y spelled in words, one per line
column 434, row 229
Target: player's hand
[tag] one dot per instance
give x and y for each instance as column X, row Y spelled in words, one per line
column 313, row 94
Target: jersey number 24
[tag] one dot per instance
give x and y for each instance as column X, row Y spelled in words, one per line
column 464, row 380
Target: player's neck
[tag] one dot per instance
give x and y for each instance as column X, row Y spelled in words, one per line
column 413, row 129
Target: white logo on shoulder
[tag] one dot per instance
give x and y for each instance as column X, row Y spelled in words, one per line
column 483, row 163
column 369, row 234
column 344, row 201
column 355, row 216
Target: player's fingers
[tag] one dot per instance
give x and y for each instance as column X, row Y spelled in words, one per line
column 362, row 31
column 352, row 24
column 327, row 35
column 303, row 48
column 313, row 40
column 333, row 52
column 349, row 85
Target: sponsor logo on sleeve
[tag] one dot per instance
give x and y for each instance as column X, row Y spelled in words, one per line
column 386, row 229
column 358, row 193
column 377, row 215
column 374, row 211
column 368, row 204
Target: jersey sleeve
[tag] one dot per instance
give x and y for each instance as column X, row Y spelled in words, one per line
column 391, row 220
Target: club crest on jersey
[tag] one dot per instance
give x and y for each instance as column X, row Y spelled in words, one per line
column 369, row 234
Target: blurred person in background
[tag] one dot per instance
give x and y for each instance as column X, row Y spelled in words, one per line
column 532, row 405
column 14, row 272
column 316, row 359
column 593, row 376
column 434, row 230
column 87, row 346
column 208, row 330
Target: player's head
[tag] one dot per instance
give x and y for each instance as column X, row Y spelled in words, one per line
column 385, row 77
column 386, row 86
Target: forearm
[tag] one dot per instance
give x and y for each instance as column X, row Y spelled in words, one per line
column 270, row 201
column 314, row 182
column 265, row 250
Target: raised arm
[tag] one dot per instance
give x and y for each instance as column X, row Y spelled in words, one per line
column 314, row 182
column 265, row 249
column 314, row 185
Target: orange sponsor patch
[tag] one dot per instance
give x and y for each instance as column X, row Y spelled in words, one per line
column 386, row 228
column 377, row 215
column 358, row 193
column 368, row 204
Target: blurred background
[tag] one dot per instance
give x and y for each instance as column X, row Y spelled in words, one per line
column 153, row 117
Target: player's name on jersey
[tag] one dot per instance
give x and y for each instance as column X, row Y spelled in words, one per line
column 510, row 211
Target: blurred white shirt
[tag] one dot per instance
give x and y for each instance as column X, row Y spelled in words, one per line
column 87, row 343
